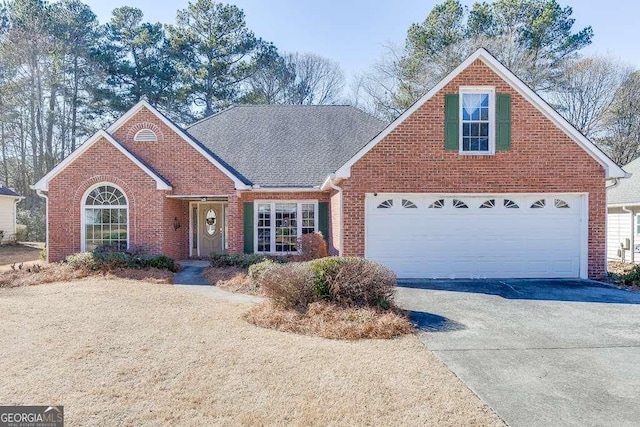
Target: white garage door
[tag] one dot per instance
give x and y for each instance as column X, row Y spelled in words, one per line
column 478, row 236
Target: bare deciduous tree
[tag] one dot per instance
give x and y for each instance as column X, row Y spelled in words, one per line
column 622, row 140
column 587, row 89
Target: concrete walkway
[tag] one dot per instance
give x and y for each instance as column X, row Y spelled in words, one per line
column 540, row 353
column 190, row 280
column 190, row 273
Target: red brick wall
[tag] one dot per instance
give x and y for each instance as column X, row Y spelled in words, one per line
column 412, row 159
column 188, row 171
column 103, row 163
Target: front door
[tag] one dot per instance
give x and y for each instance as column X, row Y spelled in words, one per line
column 211, row 228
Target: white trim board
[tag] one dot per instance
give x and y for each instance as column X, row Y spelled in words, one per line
column 239, row 185
column 43, row 184
column 612, row 170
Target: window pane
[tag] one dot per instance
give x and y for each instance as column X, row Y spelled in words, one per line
column 484, row 129
column 308, row 218
column 106, row 219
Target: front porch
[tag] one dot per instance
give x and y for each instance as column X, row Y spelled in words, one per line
column 206, row 224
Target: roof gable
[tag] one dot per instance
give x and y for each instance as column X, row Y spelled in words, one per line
column 43, row 184
column 612, row 170
column 239, row 181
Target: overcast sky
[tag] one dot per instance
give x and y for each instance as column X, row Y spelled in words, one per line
column 354, row 32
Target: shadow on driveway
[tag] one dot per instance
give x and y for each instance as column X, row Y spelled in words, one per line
column 433, row 323
column 531, row 289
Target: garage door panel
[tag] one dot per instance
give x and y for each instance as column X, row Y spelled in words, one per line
column 477, row 242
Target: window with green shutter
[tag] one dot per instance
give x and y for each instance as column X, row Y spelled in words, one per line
column 477, row 121
column 277, row 225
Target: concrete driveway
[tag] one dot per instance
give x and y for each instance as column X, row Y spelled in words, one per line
column 539, row 352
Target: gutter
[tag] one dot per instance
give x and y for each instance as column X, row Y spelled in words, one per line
column 46, row 224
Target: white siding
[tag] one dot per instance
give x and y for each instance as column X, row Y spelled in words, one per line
column 7, row 218
column 618, row 229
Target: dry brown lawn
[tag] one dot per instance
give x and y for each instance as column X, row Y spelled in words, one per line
column 18, row 253
column 120, row 352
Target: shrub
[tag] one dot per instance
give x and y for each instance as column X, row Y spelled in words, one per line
column 1, row 235
column 242, row 260
column 161, row 262
column 631, row 277
column 363, row 283
column 312, row 246
column 325, row 270
column 21, row 232
column 257, row 270
column 82, row 261
column 114, row 260
column 289, row 286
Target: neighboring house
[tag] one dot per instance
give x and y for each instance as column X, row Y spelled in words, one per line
column 479, row 178
column 8, row 201
column 623, row 217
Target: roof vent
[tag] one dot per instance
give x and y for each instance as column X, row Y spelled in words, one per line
column 145, row 135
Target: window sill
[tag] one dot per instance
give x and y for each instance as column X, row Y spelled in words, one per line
column 476, row 153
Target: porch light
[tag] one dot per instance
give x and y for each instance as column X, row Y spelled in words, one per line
column 176, row 223
column 203, row 199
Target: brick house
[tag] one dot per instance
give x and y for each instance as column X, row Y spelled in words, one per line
column 479, row 178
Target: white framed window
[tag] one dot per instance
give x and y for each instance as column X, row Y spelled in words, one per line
column 105, row 218
column 279, row 224
column 477, row 120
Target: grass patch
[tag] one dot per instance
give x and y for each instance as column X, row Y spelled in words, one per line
column 156, row 269
column 61, row 272
column 18, row 253
column 140, row 354
column 328, row 320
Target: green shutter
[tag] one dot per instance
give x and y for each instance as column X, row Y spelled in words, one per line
column 323, row 219
column 503, row 121
column 451, row 122
column 248, row 227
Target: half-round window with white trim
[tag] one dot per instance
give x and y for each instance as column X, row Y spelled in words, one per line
column 105, row 219
column 145, row 135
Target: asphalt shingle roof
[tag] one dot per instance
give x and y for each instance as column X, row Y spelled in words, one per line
column 286, row 145
column 4, row 191
column 628, row 190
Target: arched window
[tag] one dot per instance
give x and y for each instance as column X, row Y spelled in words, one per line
column 105, row 219
column 145, row 135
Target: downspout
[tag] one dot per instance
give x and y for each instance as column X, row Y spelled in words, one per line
column 15, row 215
column 340, row 226
column 632, row 234
column 46, row 224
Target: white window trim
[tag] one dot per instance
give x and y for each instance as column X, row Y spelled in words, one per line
column 492, row 119
column 138, row 138
column 83, row 211
column 272, row 202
